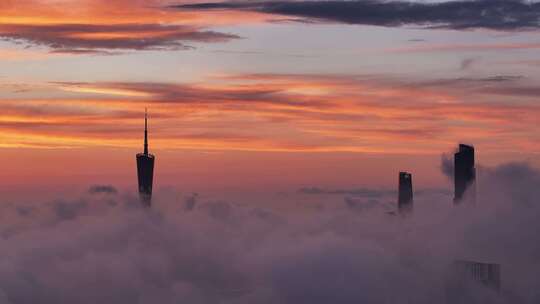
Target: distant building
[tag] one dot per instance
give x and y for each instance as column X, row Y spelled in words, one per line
column 488, row 274
column 464, row 173
column 405, row 196
column 145, row 169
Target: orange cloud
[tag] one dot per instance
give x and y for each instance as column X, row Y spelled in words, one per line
column 17, row 55
column 94, row 26
column 109, row 37
column 288, row 113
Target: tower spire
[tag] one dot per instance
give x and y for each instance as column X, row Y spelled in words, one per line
column 145, row 131
column 145, row 168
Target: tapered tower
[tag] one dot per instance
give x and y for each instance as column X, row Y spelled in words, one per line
column 145, row 168
column 405, row 194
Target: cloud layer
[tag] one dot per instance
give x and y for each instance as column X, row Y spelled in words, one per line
column 91, row 38
column 103, row 248
column 459, row 15
column 103, row 28
column 305, row 112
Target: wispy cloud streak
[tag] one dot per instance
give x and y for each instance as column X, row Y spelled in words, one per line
column 279, row 112
column 91, row 38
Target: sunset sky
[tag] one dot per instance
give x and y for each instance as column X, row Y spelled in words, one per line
column 262, row 95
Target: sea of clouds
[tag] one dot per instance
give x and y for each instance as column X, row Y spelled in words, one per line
column 105, row 248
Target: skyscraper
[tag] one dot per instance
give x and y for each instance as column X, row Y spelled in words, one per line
column 488, row 274
column 464, row 172
column 145, row 169
column 405, row 196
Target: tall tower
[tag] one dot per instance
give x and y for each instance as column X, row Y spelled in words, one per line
column 405, row 196
column 464, row 173
column 145, row 168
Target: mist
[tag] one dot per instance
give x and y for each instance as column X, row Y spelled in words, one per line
column 189, row 248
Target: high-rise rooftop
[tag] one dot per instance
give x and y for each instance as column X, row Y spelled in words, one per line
column 405, row 195
column 464, row 172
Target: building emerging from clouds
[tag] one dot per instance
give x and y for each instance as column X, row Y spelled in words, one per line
column 464, row 173
column 145, row 169
column 405, row 196
column 487, row 274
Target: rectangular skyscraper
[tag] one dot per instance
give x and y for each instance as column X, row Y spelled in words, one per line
column 145, row 169
column 488, row 274
column 464, row 173
column 405, row 196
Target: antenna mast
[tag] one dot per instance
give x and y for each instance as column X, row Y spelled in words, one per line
column 145, row 132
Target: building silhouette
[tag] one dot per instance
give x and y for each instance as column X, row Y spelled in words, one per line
column 464, row 173
column 145, row 169
column 487, row 274
column 405, row 195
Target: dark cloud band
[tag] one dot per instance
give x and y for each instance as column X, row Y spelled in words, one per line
column 90, row 38
column 504, row 15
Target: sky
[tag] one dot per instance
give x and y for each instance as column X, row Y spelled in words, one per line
column 267, row 96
